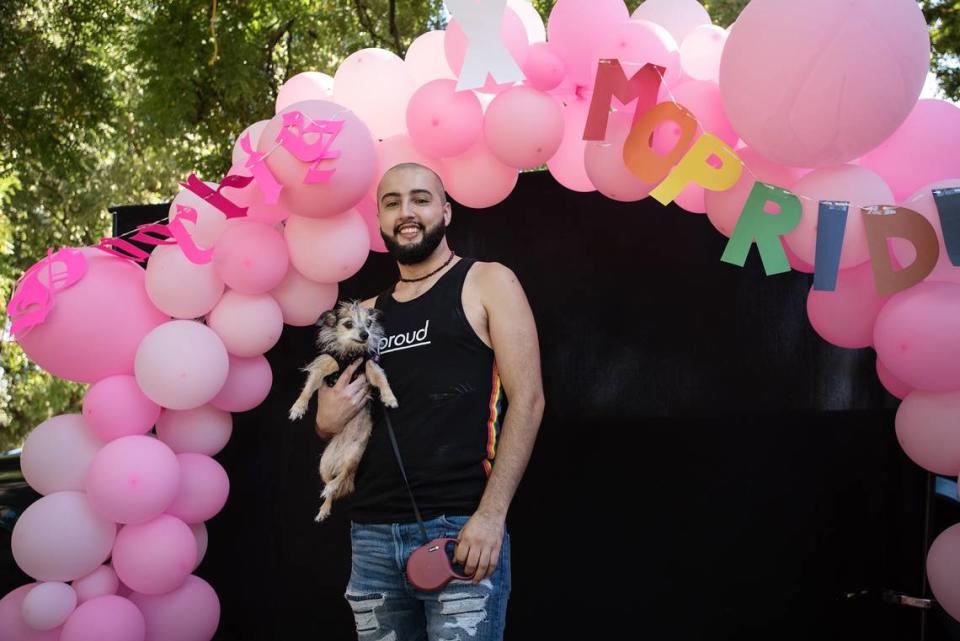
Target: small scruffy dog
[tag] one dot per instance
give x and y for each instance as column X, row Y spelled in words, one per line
column 346, row 332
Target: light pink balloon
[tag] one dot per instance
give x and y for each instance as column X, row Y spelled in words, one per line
column 544, row 69
column 530, row 17
column 58, row 453
column 248, row 324
column 48, row 605
column 577, row 29
column 367, row 208
column 821, row 82
column 915, row 336
column 395, row 150
column 181, row 364
column 443, row 121
column 604, row 164
column 328, row 250
column 638, row 42
column 376, row 86
column 892, row 384
column 943, row 570
column 512, row 34
column 203, row 489
column 155, row 557
column 188, row 613
column 12, row 625
column 477, row 179
column 927, row 430
column 60, row 537
column 924, row 204
column 567, row 164
column 247, row 385
column 523, row 127
column 426, row 60
column 845, row 317
column 250, row 257
column 100, row 582
column 701, row 50
column 204, row 429
column 210, row 220
column 856, row 185
column 200, row 534
column 82, row 339
column 252, row 197
column 239, row 156
column 116, row 406
column 302, row 300
column 307, row 85
column 353, row 169
column 796, row 263
column 179, row 287
column 105, row 618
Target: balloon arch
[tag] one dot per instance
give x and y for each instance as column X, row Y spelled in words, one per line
column 798, row 130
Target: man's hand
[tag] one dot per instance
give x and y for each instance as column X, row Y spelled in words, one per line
column 479, row 548
column 338, row 404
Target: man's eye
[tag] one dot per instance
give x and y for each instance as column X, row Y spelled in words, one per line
column 390, row 204
column 348, row 324
column 421, row 201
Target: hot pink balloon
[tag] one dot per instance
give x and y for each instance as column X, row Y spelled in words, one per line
column 247, row 385
column 426, row 60
column 523, row 127
column 58, row 453
column 302, row 300
column 13, row 626
column 210, row 221
column 188, row 613
column 204, row 487
column 544, row 69
column 376, row 85
column 811, row 84
column 100, row 582
column 701, row 50
column 926, row 428
column 116, row 406
column 577, row 29
column 604, row 164
column 567, row 164
column 239, row 156
column 924, row 204
column 328, row 250
column 155, row 557
column 943, row 570
column 308, row 85
column 367, row 208
column 251, row 257
column 60, row 537
column 443, row 121
column 845, row 316
column 204, row 429
column 892, row 384
column 915, row 336
column 106, row 618
column 248, row 324
column 477, row 179
column 178, row 286
column 512, row 34
column 48, row 605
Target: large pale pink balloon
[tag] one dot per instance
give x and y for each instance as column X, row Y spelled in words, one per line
column 155, row 557
column 443, row 121
column 307, row 85
column 915, row 336
column 58, row 453
column 353, row 169
column 251, row 257
column 394, row 151
column 181, row 364
column 638, row 42
column 924, row 204
column 845, row 317
column 116, row 406
column 133, row 479
column 679, row 17
column 247, row 385
column 12, row 625
column 512, row 35
column 603, row 161
column 210, row 221
column 48, row 605
column 180, row 287
column 523, row 127
column 60, row 537
column 82, row 338
column 701, row 50
column 530, row 17
column 477, row 179
column 426, row 60
column 188, row 613
column 544, row 69
column 821, row 82
column 100, row 582
column 567, row 164
column 577, row 29
column 927, row 430
column 376, row 86
column 239, row 156
column 106, row 618
column 248, row 324
column 204, row 429
column 892, row 384
column 943, row 570
column 302, row 300
column 858, row 186
column 203, row 491
column 328, row 250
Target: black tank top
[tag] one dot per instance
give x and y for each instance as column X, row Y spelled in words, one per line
column 449, row 415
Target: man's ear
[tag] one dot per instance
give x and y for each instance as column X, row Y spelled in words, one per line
column 328, row 318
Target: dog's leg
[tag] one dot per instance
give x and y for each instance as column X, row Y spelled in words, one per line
column 378, row 379
column 352, row 455
column 322, row 366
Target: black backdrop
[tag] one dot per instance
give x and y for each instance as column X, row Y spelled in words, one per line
column 707, row 467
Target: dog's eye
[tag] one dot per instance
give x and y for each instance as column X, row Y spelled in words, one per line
column 348, row 324
column 369, row 322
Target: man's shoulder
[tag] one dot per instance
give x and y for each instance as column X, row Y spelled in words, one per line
column 492, row 274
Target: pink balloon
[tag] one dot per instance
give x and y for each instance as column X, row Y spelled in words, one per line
column 395, row 150
column 678, row 17
column 702, row 98
column 353, row 168
column 239, row 156
column 328, row 250
column 155, row 557
column 927, row 430
column 200, row 534
column 512, row 34
column 523, row 127
column 48, row 605
column 943, row 570
column 58, row 453
column 701, row 50
column 302, row 300
column 567, row 164
column 251, row 196
column 426, row 59
column 845, row 316
column 12, row 625
column 179, row 287
column 924, row 204
column 544, row 69
column 811, row 84
column 203, row 489
column 105, row 618
column 892, row 384
column 638, row 42
column 248, row 324
column 82, row 339
column 181, row 364
column 477, row 179
column 188, row 613
column 132, row 479
column 247, row 384
column 204, row 429
column 577, row 29
column 60, row 538
column 210, row 220
column 796, row 263
column 308, row 85
column 100, row 582
column 604, row 164
column 376, row 86
column 858, row 186
column 367, row 208
column 915, row 336
column 116, row 406
column 251, row 257
column 443, row 121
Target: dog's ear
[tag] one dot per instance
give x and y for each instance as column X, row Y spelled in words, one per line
column 375, row 314
column 328, row 318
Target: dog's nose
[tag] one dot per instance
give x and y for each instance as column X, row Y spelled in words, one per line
column 364, row 334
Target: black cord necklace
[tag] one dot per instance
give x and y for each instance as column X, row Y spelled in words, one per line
column 413, row 280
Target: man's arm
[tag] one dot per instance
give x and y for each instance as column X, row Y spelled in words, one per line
column 513, row 336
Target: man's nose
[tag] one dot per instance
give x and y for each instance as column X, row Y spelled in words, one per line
column 364, row 334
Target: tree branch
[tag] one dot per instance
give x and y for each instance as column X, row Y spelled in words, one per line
column 394, row 31
column 366, row 22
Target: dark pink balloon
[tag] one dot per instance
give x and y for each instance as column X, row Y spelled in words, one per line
column 188, row 613
column 845, row 316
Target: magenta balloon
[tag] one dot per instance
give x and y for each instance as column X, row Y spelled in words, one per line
column 426, row 59
column 523, row 127
column 477, row 179
column 328, row 250
column 181, row 364
column 943, row 570
column 927, row 430
column 603, row 161
column 376, row 85
column 12, row 625
column 892, row 384
column 302, row 300
column 250, row 256
column 204, row 487
column 679, row 17
column 133, row 479
column 577, row 29
column 239, row 156
column 819, row 83
column 353, row 169
column 512, row 34
column 544, row 69
column 567, row 165
column 443, row 121
column 83, row 338
column 105, row 618
column 116, row 406
column 204, row 429
column 48, row 605
column 155, row 557
column 58, row 453
column 915, row 336
column 247, row 384
column 248, row 324
column 188, row 613
column 60, row 538
column 308, row 85
column 179, row 287
column 701, row 50
column 924, row 204
column 100, row 582
column 845, row 317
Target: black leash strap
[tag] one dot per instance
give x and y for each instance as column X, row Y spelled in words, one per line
column 396, row 451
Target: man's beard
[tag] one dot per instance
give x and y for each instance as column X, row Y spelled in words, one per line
column 413, row 253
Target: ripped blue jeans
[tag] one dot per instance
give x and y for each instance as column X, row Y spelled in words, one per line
column 387, row 608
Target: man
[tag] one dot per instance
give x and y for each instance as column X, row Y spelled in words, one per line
column 459, row 336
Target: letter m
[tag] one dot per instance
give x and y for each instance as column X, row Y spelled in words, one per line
column 612, row 82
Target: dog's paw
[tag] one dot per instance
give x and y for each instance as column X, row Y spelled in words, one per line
column 298, row 410
column 322, row 514
column 391, row 402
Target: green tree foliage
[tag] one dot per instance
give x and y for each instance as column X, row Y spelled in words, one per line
column 943, row 16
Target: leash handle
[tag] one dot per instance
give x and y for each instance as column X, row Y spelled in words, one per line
column 396, row 451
